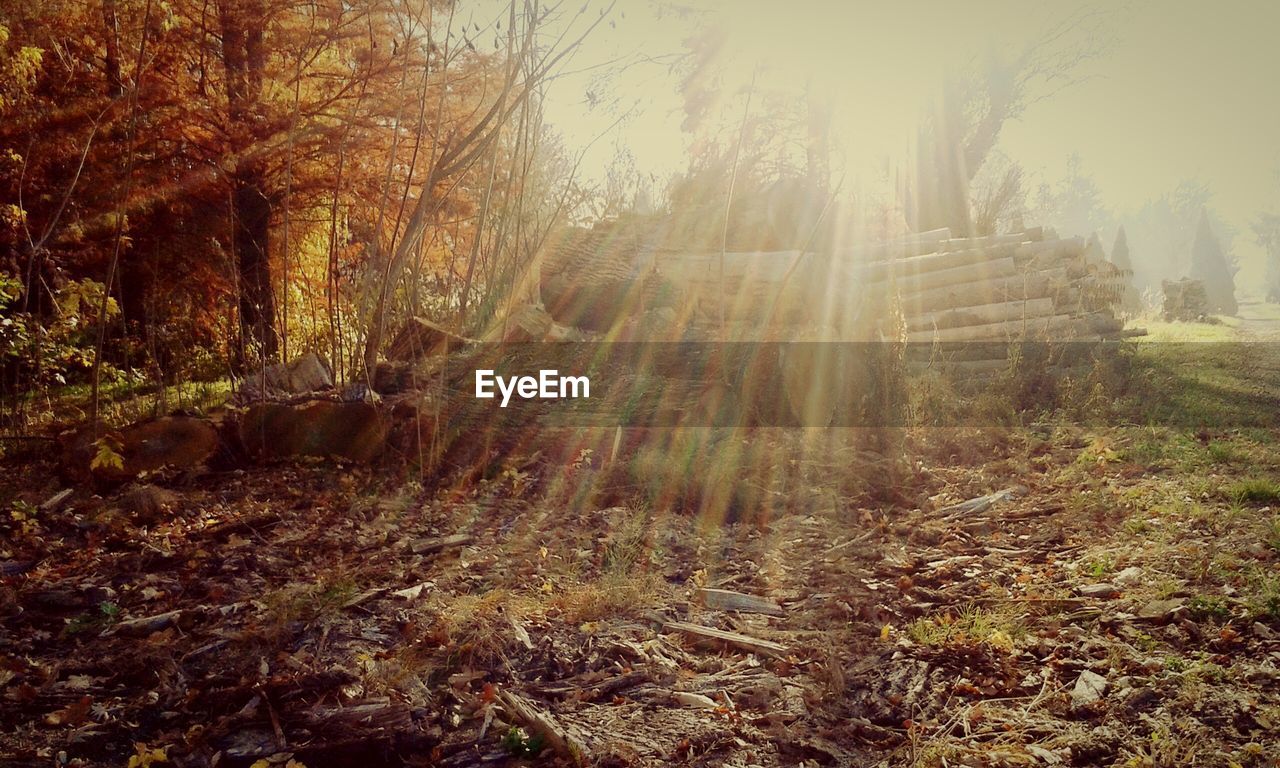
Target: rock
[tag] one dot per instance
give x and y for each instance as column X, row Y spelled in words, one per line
column 360, row 392
column 1142, row 700
column 1262, row 631
column 1090, row 687
column 1129, row 577
column 181, row 442
column 1103, row 590
column 1160, row 611
column 308, row 373
column 355, row 431
column 1257, row 550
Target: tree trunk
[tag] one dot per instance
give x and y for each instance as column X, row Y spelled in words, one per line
column 115, row 85
column 244, row 57
column 252, row 215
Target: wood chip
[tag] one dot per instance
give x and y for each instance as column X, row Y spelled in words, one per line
column 742, row 642
column 365, row 597
column 431, row 546
column 694, row 700
column 370, row 715
column 521, row 634
column 414, row 592
column 542, row 723
column 146, row 625
column 726, row 600
column 55, row 502
column 982, row 503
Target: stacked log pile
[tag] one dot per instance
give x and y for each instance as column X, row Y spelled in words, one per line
column 1017, row 287
column 1185, row 300
column 1025, row 286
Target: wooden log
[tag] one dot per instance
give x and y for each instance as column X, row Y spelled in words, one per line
column 930, row 262
column 1028, row 255
column 1050, row 249
column 734, row 639
column 918, row 243
column 983, row 314
column 725, row 600
column 986, row 270
column 986, row 241
column 1052, row 327
column 561, row 740
column 1018, row 287
column 1061, row 327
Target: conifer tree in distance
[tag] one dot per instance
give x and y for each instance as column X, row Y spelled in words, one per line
column 1129, row 301
column 1210, row 266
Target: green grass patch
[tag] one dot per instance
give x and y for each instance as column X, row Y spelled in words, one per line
column 1253, row 490
column 973, row 625
column 1225, row 453
column 1160, row 331
column 1206, row 607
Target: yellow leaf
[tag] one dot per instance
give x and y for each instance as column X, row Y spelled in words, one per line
column 886, row 631
column 145, row 758
column 1000, row 639
column 107, row 455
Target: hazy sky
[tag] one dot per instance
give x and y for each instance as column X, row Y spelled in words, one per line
column 1186, row 90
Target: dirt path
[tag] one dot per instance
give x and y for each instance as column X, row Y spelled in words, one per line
column 1260, row 320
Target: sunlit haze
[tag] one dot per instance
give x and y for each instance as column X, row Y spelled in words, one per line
column 1179, row 91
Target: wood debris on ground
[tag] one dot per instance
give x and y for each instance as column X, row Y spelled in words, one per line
column 348, row 616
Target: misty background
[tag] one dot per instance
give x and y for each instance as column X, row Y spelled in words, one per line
column 1149, row 114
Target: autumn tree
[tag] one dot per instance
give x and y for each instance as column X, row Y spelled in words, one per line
column 249, row 177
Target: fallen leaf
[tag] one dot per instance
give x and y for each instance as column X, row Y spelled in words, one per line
column 144, row 757
column 73, row 714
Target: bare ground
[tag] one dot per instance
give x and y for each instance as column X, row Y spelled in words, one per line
column 535, row 628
